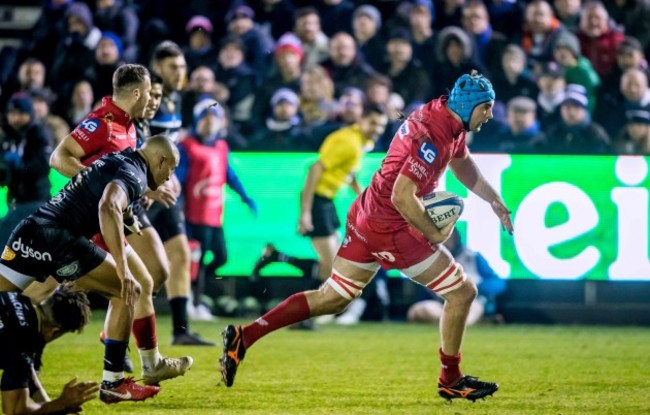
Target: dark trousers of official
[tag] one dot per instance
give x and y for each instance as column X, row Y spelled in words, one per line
column 211, row 239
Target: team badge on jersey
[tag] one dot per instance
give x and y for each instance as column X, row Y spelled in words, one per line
column 403, row 130
column 428, row 152
column 90, row 124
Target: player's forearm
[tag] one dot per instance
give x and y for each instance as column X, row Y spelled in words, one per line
column 52, row 407
column 412, row 210
column 112, row 229
column 66, row 164
column 468, row 173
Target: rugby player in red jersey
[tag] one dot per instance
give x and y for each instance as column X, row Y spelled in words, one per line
column 388, row 226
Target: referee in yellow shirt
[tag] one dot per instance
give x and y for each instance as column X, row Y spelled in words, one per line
column 339, row 158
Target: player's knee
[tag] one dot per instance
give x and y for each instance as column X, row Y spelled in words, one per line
column 341, row 291
column 145, row 283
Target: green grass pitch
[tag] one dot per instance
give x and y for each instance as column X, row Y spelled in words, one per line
column 385, row 369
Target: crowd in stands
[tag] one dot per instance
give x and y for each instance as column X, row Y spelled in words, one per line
column 571, row 76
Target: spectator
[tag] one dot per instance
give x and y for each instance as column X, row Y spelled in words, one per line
column 629, row 54
column 203, row 172
column 316, row 97
column 257, row 44
column 506, row 17
column 107, row 58
column 541, row 29
column 56, row 127
column 276, row 17
column 238, row 77
column 521, row 134
column 577, row 68
column 635, row 137
column 345, row 65
column 577, row 133
column 379, row 92
column 80, row 103
column 409, row 80
column 76, row 52
column 488, row 44
column 634, row 94
column 448, row 13
column 429, row 307
column 31, row 77
column 513, row 79
column 599, row 38
column 568, row 13
column 25, row 148
column 366, row 25
column 420, row 22
column 314, row 42
column 453, row 58
column 551, row 94
column 289, row 56
column 199, row 50
column 336, row 16
column 281, row 130
column 634, row 16
column 349, row 110
column 50, row 29
column 119, row 18
column 202, row 84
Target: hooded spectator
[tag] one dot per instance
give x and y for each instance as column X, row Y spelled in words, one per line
column 453, row 58
column 366, row 25
column 199, row 50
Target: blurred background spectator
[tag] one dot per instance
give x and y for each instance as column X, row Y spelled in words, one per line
column 577, row 133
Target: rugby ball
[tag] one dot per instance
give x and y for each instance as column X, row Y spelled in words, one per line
column 443, row 207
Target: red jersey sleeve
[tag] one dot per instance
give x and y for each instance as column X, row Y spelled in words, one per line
column 92, row 135
column 421, row 152
column 461, row 150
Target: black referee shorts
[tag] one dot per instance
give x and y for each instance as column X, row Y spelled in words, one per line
column 324, row 218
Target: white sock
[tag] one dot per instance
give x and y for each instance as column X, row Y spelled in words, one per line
column 112, row 377
column 150, row 358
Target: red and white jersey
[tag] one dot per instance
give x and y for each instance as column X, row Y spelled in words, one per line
column 105, row 130
column 421, row 150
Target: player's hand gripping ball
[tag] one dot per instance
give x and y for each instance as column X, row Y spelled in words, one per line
column 443, row 207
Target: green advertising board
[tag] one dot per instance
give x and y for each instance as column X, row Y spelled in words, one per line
column 575, row 217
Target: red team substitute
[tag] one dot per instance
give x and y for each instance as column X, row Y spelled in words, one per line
column 388, row 226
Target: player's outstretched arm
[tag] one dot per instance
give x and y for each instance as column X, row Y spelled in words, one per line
column 408, row 204
column 66, row 157
column 468, row 173
column 74, row 395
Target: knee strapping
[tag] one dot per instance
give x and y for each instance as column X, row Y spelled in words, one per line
column 347, row 288
column 448, row 280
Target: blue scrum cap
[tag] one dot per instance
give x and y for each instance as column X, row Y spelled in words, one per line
column 468, row 92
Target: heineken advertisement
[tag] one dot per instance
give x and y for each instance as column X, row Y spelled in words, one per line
column 575, row 217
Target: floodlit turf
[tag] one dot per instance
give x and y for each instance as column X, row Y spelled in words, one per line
column 387, row 369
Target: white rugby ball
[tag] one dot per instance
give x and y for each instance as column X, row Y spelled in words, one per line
column 443, row 207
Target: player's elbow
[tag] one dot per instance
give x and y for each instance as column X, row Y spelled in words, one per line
column 55, row 159
column 399, row 199
column 109, row 209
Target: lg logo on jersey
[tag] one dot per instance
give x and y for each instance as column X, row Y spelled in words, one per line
column 90, row 125
column 428, row 153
